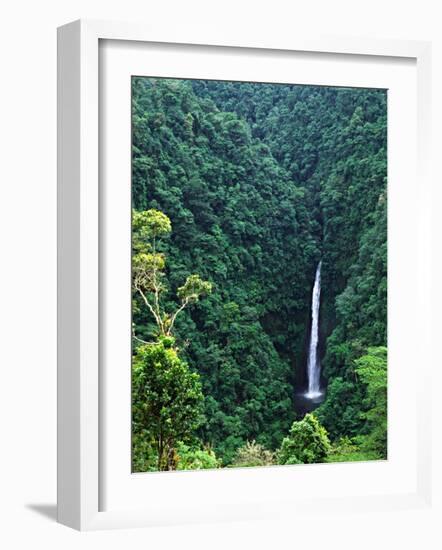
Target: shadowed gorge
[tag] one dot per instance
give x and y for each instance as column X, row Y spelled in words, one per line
column 265, row 186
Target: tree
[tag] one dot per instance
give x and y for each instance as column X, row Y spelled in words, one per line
column 340, row 413
column 148, row 270
column 253, row 454
column 195, row 458
column 167, row 400
column 306, row 443
column 371, row 368
column 346, row 449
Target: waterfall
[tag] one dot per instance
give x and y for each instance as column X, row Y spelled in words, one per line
column 313, row 363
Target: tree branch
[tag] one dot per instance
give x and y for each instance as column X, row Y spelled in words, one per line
column 155, row 282
column 139, row 339
column 174, row 316
column 151, row 309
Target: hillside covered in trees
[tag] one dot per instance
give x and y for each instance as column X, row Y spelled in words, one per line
column 239, row 190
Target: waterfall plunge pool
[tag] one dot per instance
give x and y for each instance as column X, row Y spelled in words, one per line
column 306, row 402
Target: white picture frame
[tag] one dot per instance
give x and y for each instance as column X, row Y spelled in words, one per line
column 80, row 409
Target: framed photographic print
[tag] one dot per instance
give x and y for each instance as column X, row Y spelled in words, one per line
column 237, row 237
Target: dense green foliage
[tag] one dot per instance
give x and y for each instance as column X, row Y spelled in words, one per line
column 195, row 458
column 260, row 181
column 372, row 371
column 348, row 450
column 306, row 443
column 167, row 403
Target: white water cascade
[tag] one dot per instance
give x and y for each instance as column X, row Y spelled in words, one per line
column 313, row 363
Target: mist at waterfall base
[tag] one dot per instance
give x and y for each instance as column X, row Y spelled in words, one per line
column 312, row 396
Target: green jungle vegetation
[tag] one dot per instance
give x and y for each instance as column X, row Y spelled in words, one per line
column 238, row 190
